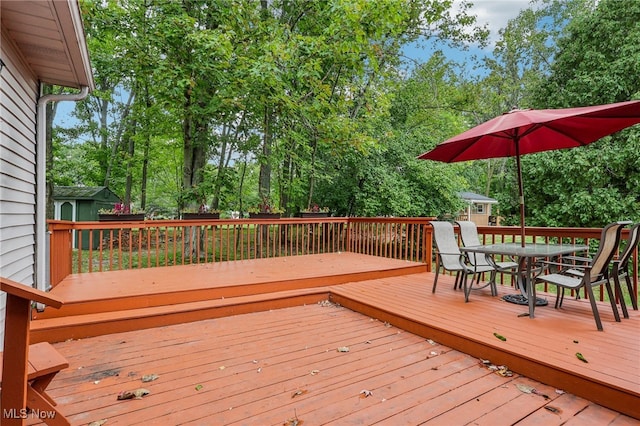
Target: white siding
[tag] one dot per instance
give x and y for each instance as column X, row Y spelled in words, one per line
column 18, row 97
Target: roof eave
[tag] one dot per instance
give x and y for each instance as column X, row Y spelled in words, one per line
column 70, row 18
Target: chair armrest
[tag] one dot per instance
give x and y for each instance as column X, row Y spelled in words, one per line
column 561, row 267
column 578, row 258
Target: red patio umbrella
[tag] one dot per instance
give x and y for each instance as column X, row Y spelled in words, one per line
column 527, row 131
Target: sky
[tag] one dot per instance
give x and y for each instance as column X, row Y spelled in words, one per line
column 493, row 13
column 496, row 13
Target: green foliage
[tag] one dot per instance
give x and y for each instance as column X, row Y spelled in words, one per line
column 596, row 63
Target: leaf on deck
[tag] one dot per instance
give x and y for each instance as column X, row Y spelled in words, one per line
column 134, row 394
column 299, row 392
column 552, row 409
column 149, row 378
column 365, row 393
column 530, row 389
column 524, row 388
column 293, row 421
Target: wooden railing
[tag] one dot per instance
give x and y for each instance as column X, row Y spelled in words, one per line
column 82, row 247
column 398, row 238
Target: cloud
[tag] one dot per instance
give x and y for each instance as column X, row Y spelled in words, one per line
column 495, row 13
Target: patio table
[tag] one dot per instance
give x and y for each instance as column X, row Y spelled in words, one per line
column 526, row 256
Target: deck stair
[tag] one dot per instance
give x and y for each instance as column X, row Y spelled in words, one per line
column 110, row 302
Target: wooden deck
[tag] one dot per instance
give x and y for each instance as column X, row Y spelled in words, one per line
column 418, row 353
column 108, row 302
column 249, row 369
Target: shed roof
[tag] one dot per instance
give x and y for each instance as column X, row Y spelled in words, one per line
column 472, row 197
column 79, row 192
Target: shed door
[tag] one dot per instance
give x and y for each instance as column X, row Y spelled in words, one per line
column 66, row 211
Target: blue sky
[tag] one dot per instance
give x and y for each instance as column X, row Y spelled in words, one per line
column 493, row 13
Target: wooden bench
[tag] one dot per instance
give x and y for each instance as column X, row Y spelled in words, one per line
column 26, row 370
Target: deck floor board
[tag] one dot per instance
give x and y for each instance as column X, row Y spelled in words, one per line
column 412, row 379
column 417, row 352
column 553, row 337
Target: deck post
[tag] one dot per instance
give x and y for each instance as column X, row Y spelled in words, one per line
column 13, row 402
column 61, row 250
column 14, row 361
column 428, row 248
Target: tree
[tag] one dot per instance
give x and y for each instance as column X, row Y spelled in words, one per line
column 384, row 177
column 328, row 68
column 310, row 81
column 596, row 63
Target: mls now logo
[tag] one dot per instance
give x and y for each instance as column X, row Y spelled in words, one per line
column 24, row 413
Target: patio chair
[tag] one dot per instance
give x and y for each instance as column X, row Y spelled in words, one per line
column 620, row 269
column 470, row 238
column 450, row 258
column 595, row 273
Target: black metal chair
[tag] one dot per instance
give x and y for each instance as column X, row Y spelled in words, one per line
column 620, row 269
column 470, row 238
column 596, row 273
column 450, row 258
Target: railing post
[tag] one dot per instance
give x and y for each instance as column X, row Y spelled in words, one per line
column 60, row 253
column 428, row 248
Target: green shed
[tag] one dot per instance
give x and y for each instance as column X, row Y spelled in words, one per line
column 81, row 204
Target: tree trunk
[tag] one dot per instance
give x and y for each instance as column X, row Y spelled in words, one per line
column 118, row 137
column 264, row 182
column 312, row 174
column 131, row 152
column 195, row 131
column 145, row 171
column 187, row 149
column 145, row 158
column 222, row 163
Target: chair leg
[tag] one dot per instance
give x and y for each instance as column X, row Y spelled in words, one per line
column 435, row 280
column 492, row 283
column 634, row 296
column 612, row 299
column 467, row 288
column 559, row 296
column 619, row 295
column 594, row 307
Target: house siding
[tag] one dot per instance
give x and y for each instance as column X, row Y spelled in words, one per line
column 18, row 98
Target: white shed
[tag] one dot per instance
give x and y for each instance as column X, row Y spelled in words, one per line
column 478, row 209
column 41, row 41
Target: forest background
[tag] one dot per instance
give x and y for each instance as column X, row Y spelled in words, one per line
column 239, row 104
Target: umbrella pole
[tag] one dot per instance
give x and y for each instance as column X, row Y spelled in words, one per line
column 521, row 192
